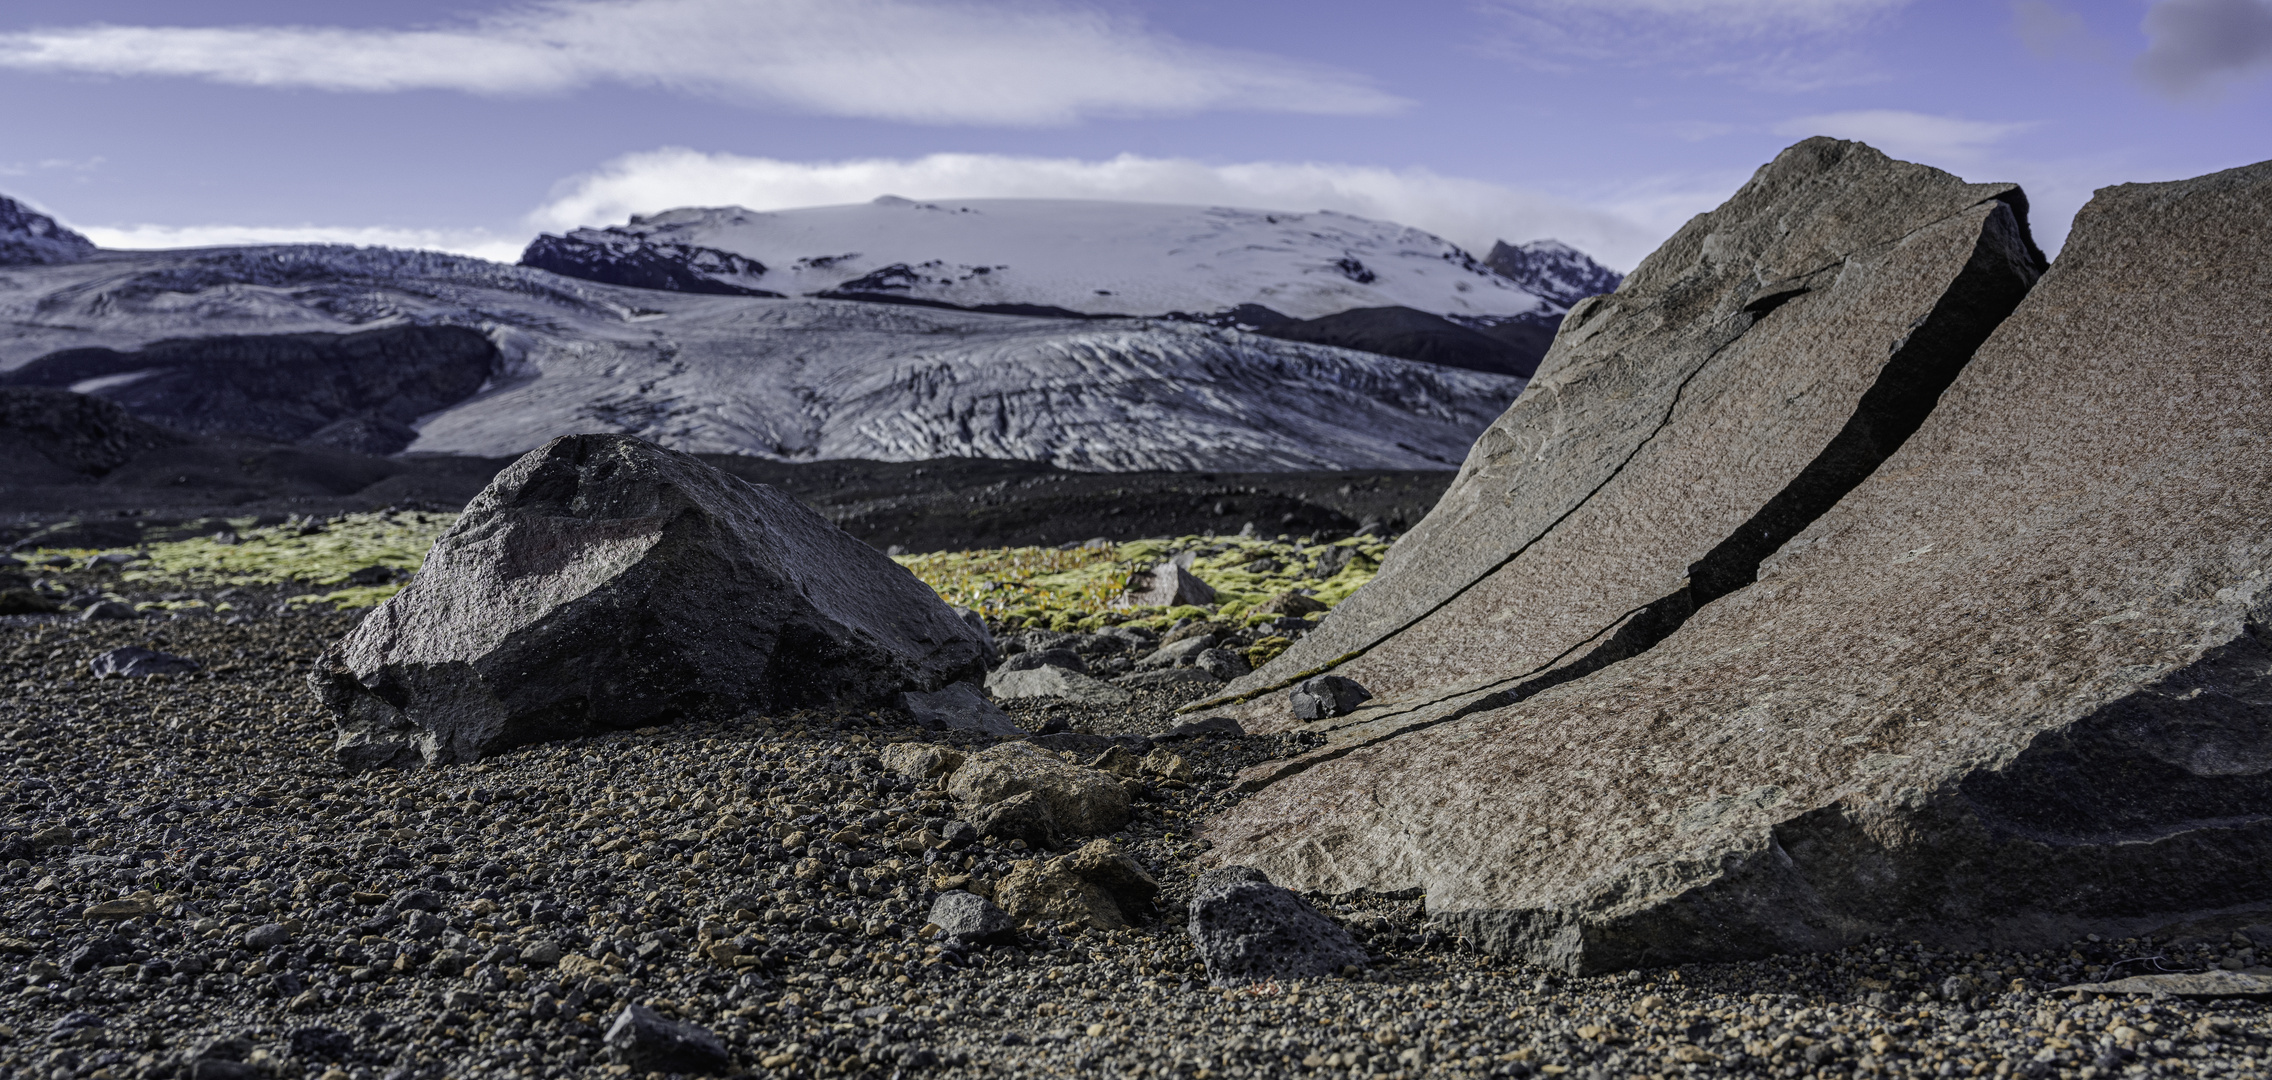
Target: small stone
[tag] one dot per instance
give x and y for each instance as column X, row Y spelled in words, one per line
column 321, row 1044
column 129, row 908
column 107, row 611
column 1080, row 801
column 1168, row 585
column 1322, row 697
column 1049, row 682
column 921, row 761
column 644, row 1040
column 136, row 662
column 1058, row 658
column 543, row 954
column 1221, row 664
column 267, row 936
column 965, row 919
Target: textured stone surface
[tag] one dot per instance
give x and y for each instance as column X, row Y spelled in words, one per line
column 1054, row 682
column 1247, row 929
column 958, row 707
column 1080, row 800
column 965, row 919
column 645, row 1040
column 2015, row 687
column 601, row 583
column 1751, row 370
column 134, row 661
column 1169, row 584
column 1322, row 697
column 2191, row 984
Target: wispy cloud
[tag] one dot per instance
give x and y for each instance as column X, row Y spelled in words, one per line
column 1776, row 45
column 1469, row 212
column 2192, row 45
column 1941, row 141
column 939, row 63
column 475, row 242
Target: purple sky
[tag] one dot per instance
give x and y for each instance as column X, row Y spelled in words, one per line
column 1601, row 122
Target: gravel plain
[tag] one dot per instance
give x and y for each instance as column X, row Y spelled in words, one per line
column 193, row 889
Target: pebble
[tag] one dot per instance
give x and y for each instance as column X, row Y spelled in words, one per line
column 770, row 881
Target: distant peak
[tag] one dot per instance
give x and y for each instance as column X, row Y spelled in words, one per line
column 28, row 237
column 1552, row 269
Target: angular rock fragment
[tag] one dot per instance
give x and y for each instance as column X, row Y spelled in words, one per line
column 958, row 708
column 645, row 1040
column 1748, row 373
column 1099, row 885
column 1248, row 930
column 1080, row 801
column 920, row 761
column 134, row 662
column 1169, row 584
column 2014, row 688
column 601, row 583
column 1321, row 697
column 965, row 919
column 1054, row 682
column 1023, row 816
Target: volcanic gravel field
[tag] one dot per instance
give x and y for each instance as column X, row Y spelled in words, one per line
column 194, row 889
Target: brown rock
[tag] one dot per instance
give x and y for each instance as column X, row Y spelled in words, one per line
column 1080, row 801
column 2015, row 687
column 1747, row 374
column 1099, row 885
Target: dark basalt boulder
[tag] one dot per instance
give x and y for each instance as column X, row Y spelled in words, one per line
column 356, row 391
column 1748, row 373
column 600, row 583
column 2013, row 688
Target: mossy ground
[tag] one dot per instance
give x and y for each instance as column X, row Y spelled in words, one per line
column 1014, row 587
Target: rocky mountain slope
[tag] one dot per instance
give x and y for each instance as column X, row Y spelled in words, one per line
column 28, row 237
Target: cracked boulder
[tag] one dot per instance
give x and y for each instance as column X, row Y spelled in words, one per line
column 2013, row 688
column 1747, row 374
column 602, row 583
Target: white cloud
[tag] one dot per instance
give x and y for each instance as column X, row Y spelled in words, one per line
column 475, row 242
column 1928, row 140
column 940, row 62
column 2192, row 44
column 1471, row 213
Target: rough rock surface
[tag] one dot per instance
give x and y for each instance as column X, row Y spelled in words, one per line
column 28, row 237
column 1322, row 697
column 1747, row 374
column 1053, row 682
column 2012, row 689
column 958, row 707
column 1169, row 585
column 643, row 1039
column 1080, row 800
column 966, row 919
column 133, row 662
column 600, row 583
column 1098, row 886
column 1248, row 929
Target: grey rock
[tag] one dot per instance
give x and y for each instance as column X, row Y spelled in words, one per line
column 1247, row 930
column 2004, row 691
column 602, row 583
column 108, row 611
column 320, row 1044
column 643, row 1039
column 1159, row 677
column 1023, row 816
column 1206, row 725
column 1081, row 801
column 1170, row 584
column 1062, row 658
column 1221, row 664
column 1763, row 361
column 417, row 900
column 958, row 707
column 965, row 919
column 134, row 662
column 1324, row 696
column 421, row 926
column 1052, row 682
column 1177, row 653
column 921, row 761
column 2198, row 984
column 267, row 936
column 977, row 624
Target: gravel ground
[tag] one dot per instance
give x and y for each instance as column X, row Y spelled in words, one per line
column 185, row 867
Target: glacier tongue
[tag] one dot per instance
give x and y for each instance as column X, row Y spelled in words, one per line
column 796, row 379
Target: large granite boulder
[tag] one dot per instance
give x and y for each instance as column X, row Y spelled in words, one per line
column 600, row 583
column 2015, row 687
column 1747, row 374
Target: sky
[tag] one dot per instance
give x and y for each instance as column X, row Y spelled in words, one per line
column 472, row 126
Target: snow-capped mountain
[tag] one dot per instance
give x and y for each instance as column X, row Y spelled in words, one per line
column 793, row 379
column 1551, row 269
column 1072, row 256
column 31, row 238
